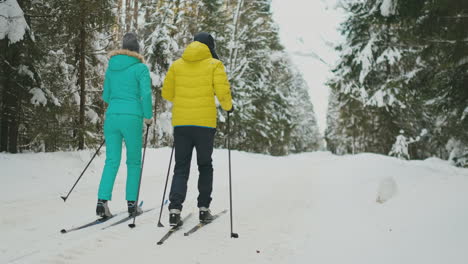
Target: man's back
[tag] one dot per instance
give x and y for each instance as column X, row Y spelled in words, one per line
column 191, row 84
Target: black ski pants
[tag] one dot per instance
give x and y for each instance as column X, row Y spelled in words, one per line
column 185, row 139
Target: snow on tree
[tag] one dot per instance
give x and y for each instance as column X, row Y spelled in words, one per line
column 18, row 74
column 388, row 7
column 402, row 66
column 160, row 49
column 12, row 22
column 400, row 148
column 39, row 97
column 458, row 153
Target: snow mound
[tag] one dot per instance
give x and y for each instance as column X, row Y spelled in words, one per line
column 387, row 189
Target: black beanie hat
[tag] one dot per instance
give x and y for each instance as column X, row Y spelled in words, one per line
column 208, row 40
column 130, row 42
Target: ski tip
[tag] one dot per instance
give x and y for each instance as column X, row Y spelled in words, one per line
column 63, row 231
column 159, row 243
column 186, row 234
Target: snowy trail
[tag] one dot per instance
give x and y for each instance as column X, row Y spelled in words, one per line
column 307, row 208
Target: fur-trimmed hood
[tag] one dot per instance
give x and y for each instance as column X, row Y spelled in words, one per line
column 122, row 59
column 128, row 53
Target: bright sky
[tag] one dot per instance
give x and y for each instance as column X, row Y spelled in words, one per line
column 308, row 30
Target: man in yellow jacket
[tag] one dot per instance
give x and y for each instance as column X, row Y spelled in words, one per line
column 191, row 84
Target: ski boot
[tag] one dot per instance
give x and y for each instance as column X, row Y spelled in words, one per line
column 174, row 217
column 133, row 209
column 102, row 209
column 205, row 215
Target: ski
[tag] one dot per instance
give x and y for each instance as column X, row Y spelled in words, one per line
column 200, row 225
column 126, row 219
column 173, row 230
column 93, row 223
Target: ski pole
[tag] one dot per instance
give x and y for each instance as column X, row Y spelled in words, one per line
column 233, row 235
column 97, row 151
column 165, row 187
column 132, row 225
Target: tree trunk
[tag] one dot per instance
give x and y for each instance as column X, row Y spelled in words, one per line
column 82, row 81
column 4, row 89
column 13, row 129
column 4, row 117
column 234, row 35
column 9, row 127
column 135, row 16
column 128, row 16
column 176, row 14
column 117, row 26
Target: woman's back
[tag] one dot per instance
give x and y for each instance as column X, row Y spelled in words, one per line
column 127, row 85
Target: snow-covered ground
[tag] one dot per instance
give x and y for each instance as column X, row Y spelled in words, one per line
column 307, row 208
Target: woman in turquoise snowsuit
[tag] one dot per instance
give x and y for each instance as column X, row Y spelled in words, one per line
column 127, row 91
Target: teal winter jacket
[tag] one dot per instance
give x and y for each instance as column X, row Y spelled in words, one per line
column 127, row 85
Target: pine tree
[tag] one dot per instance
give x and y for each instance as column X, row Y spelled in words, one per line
column 160, row 51
column 82, row 25
column 402, row 67
column 18, row 73
column 71, row 71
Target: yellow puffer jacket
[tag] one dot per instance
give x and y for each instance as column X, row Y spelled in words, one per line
column 191, row 85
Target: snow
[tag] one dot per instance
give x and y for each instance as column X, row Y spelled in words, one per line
column 54, row 99
column 24, row 70
column 387, row 189
column 391, row 55
column 12, row 22
column 462, row 61
column 164, row 121
column 388, row 8
column 400, row 147
column 258, row 22
column 366, row 58
column 92, row 116
column 156, row 80
column 410, row 75
column 382, row 98
column 305, row 208
column 38, row 97
column 465, row 113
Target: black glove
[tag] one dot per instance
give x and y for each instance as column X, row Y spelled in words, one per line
column 231, row 110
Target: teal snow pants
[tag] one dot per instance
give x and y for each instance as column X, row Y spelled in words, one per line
column 116, row 128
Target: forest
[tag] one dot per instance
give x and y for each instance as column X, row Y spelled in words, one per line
column 403, row 72
column 399, row 88
column 54, row 56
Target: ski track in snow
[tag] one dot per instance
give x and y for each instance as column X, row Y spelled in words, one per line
column 304, row 208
